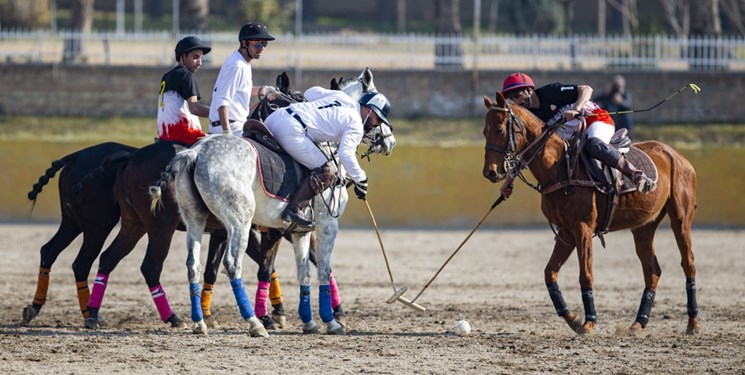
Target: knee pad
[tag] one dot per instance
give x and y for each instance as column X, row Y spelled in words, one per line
column 323, row 177
column 598, row 149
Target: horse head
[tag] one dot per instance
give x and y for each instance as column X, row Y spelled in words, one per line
column 380, row 139
column 285, row 97
column 506, row 137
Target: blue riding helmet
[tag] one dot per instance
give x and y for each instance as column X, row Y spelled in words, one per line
column 378, row 103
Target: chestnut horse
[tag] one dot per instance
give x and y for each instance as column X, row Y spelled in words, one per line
column 516, row 139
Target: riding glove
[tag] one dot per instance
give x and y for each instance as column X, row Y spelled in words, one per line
column 360, row 188
column 268, row 92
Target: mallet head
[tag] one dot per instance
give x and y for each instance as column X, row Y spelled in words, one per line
column 397, row 295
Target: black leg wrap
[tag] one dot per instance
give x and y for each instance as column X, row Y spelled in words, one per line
column 553, row 291
column 691, row 292
column 596, row 148
column 589, row 301
column 645, row 309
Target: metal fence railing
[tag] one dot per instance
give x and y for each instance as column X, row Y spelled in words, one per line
column 396, row 51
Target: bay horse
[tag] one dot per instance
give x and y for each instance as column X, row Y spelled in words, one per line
column 92, row 211
column 516, row 139
column 239, row 203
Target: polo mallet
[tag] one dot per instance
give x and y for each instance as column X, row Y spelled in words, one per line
column 495, row 204
column 397, row 293
column 693, row 87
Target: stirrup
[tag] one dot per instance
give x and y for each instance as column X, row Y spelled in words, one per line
column 645, row 185
column 295, row 216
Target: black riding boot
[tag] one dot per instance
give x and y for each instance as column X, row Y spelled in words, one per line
column 297, row 204
column 608, row 155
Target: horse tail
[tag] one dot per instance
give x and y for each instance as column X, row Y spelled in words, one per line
column 50, row 173
column 182, row 162
column 115, row 160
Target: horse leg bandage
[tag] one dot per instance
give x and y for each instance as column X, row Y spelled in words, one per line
column 645, row 309
column 161, row 302
column 42, row 286
column 196, row 305
column 304, row 309
column 99, row 288
column 324, row 303
column 262, row 298
column 275, row 292
column 244, row 303
column 589, row 301
column 691, row 293
column 207, row 298
column 335, row 296
column 84, row 295
column 557, row 299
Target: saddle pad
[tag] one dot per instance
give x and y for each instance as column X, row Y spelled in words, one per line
column 279, row 173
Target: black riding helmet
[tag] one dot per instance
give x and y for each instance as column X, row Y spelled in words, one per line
column 254, row 31
column 190, row 43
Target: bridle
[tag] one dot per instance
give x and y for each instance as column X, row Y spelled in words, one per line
column 517, row 162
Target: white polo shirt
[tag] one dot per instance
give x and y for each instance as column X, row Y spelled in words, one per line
column 232, row 88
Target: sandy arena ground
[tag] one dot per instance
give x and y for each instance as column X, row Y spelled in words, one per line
column 495, row 282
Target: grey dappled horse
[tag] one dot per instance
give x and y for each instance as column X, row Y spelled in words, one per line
column 205, row 184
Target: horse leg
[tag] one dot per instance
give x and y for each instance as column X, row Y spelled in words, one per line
column 339, row 314
column 238, row 238
column 93, row 241
column 66, row 233
column 214, row 256
column 644, row 243
column 562, row 249
column 263, row 251
column 159, row 243
column 584, row 255
column 681, row 217
column 326, row 236
column 300, row 243
column 125, row 241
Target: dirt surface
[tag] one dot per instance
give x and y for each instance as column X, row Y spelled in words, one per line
column 495, row 282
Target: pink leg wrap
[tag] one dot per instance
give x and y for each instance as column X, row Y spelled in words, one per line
column 99, row 288
column 161, row 302
column 335, row 296
column 262, row 298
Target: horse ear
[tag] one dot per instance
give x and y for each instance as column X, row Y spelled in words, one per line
column 367, row 76
column 334, row 85
column 500, row 99
column 487, row 102
column 283, row 82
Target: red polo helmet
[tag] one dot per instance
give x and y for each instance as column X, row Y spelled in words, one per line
column 517, row 81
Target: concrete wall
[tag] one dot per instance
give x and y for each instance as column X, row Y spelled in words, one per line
column 44, row 90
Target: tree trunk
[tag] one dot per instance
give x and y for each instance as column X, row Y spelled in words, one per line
column 81, row 23
column 193, row 15
column 448, row 50
column 705, row 22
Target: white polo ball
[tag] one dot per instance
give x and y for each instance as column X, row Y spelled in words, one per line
column 462, row 328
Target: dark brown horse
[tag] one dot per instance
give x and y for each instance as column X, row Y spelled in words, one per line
column 515, row 137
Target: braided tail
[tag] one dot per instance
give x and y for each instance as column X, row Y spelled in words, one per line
column 182, row 162
column 50, row 173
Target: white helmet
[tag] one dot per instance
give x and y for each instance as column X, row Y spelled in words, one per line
column 378, row 103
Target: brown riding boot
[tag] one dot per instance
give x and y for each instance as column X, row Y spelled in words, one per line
column 297, row 204
column 643, row 183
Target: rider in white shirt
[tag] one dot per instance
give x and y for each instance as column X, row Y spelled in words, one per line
column 327, row 116
column 234, row 86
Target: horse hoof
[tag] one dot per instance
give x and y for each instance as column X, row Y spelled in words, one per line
column 575, row 323
column 310, row 327
column 199, row 327
column 211, row 321
column 587, row 329
column 694, row 327
column 340, row 316
column 176, row 322
column 268, row 323
column 636, row 329
column 280, row 319
column 29, row 313
column 334, row 328
column 91, row 323
column 102, row 322
column 257, row 328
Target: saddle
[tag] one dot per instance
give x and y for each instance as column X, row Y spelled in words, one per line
column 602, row 177
column 279, row 173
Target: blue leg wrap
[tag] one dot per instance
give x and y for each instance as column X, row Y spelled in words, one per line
column 196, row 302
column 324, row 303
column 244, row 304
column 589, row 301
column 553, row 291
column 691, row 292
column 645, row 308
column 303, row 308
